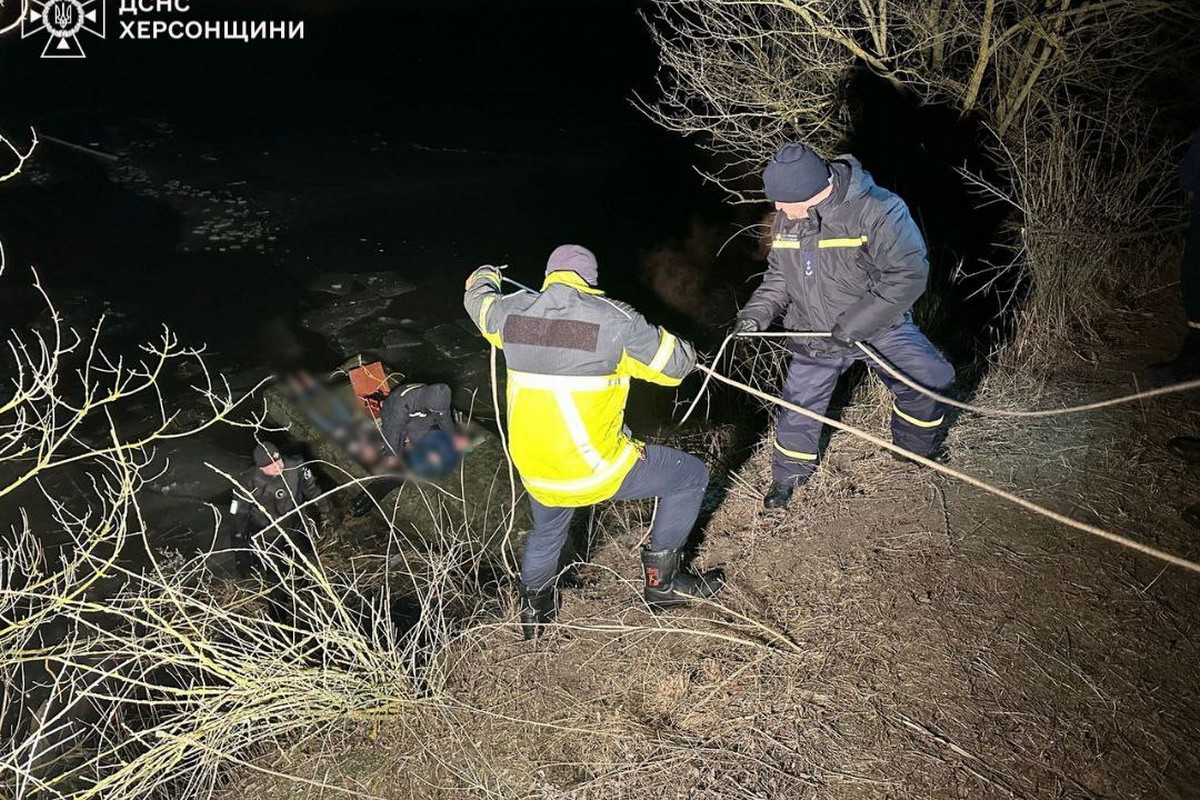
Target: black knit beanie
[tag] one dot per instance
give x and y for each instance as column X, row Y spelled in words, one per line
column 795, row 174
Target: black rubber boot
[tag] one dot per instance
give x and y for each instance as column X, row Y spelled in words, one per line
column 668, row 585
column 940, row 454
column 538, row 607
column 778, row 495
column 1183, row 367
column 1186, row 447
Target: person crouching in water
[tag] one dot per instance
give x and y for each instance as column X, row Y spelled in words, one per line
column 419, row 430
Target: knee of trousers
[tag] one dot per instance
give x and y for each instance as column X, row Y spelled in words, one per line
column 694, row 474
column 943, row 373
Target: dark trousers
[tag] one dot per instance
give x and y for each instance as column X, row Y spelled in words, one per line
column 676, row 478
column 1189, row 272
column 917, row 420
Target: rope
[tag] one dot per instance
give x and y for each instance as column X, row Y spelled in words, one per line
column 1002, row 412
column 883, row 364
column 978, row 483
column 512, row 481
column 704, row 383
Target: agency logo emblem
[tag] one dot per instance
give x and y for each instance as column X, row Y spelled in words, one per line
column 63, row 22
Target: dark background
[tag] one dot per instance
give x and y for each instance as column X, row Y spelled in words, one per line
column 420, row 137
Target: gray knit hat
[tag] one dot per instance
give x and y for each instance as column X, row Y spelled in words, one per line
column 574, row 258
column 795, row 174
column 266, row 454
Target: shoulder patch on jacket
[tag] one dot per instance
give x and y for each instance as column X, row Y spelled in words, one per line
column 568, row 333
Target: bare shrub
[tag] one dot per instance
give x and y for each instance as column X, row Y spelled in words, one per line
column 1058, row 83
column 125, row 679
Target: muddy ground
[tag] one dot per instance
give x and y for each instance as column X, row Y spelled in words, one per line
column 894, row 634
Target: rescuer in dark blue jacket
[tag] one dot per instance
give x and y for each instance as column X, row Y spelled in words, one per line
column 846, row 257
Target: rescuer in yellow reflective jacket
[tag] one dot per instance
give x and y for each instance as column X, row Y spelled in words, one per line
column 570, row 353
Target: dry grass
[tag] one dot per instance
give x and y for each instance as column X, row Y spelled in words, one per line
column 892, row 636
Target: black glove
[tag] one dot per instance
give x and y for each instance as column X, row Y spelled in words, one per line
column 829, row 347
column 745, row 325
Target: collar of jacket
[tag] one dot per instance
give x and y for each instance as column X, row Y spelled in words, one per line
column 572, row 279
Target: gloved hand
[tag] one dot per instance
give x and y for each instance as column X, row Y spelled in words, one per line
column 833, row 346
column 745, row 325
column 486, row 271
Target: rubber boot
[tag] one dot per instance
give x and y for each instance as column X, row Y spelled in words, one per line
column 940, row 453
column 1186, row 447
column 1184, row 367
column 778, row 495
column 668, row 585
column 538, row 607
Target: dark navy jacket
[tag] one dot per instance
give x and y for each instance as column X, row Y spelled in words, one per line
column 854, row 267
column 412, row 411
column 277, row 495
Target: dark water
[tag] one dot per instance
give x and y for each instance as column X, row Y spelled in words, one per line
column 422, row 139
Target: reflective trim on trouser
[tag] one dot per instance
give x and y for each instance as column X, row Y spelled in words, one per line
column 917, row 419
column 809, row 384
column 678, row 479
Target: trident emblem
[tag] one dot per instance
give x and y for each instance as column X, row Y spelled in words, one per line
column 62, row 16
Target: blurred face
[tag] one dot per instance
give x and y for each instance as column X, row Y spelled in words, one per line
column 800, row 210
column 273, row 469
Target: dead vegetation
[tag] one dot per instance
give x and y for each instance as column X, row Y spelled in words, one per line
column 1063, row 91
column 893, row 636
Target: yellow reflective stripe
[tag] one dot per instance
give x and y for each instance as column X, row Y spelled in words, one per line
column 785, row 244
column 857, row 241
column 575, row 383
column 920, row 423
column 1193, row 324
column 581, row 484
column 483, row 309
column 578, row 431
column 665, row 349
column 794, row 454
column 572, row 279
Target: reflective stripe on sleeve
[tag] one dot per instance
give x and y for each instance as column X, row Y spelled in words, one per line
column 785, row 244
column 665, row 349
